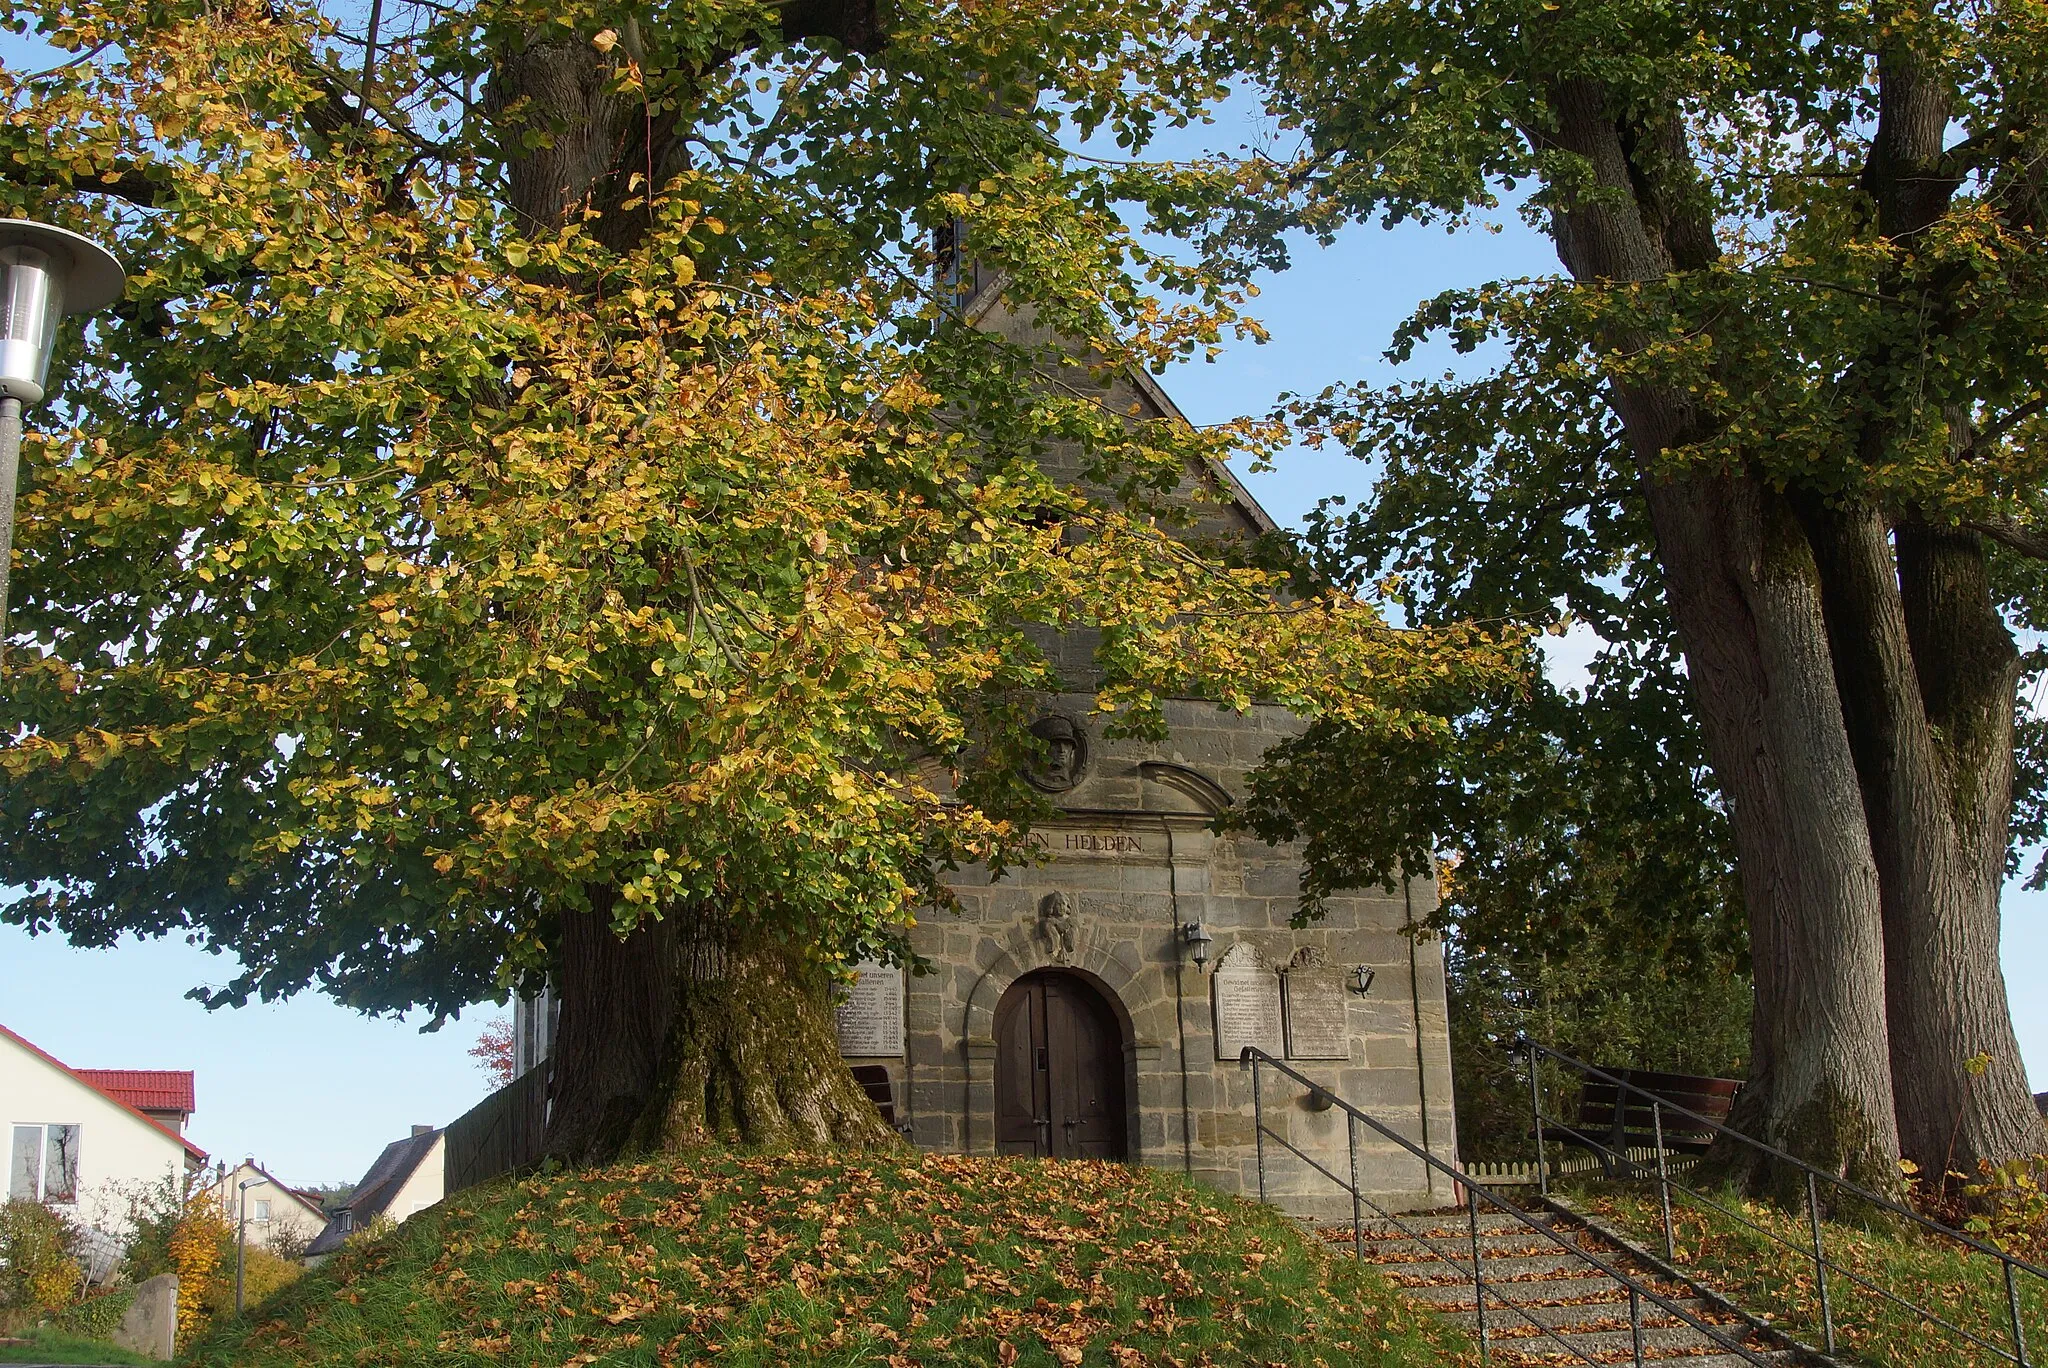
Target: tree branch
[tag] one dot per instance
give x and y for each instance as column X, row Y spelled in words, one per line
column 2012, row 535
column 1992, row 432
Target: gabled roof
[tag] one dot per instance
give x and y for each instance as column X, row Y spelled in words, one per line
column 191, row 1150
column 305, row 1199
column 145, row 1089
column 379, row 1188
column 988, row 295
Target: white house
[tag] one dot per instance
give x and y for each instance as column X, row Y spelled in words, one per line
column 81, row 1146
column 275, row 1212
column 408, row 1177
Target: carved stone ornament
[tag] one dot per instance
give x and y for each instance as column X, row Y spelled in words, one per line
column 1065, row 760
column 1059, row 926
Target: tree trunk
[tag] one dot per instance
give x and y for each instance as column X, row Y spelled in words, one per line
column 665, row 1041
column 1742, row 590
column 1743, row 593
column 1946, row 991
column 669, row 1043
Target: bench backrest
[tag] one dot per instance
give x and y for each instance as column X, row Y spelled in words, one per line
column 1620, row 1119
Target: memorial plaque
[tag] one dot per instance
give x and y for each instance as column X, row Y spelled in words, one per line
column 870, row 1017
column 1313, row 1002
column 1244, row 994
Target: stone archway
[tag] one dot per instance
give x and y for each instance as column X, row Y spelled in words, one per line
column 1110, row 979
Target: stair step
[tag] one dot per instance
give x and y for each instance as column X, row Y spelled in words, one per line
column 1510, row 1358
column 1505, row 1244
column 1663, row 1341
column 1577, row 1315
column 1553, row 1291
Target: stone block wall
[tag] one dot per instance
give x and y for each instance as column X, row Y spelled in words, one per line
column 1135, row 857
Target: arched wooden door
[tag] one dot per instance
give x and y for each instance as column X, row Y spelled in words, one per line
column 1059, row 1070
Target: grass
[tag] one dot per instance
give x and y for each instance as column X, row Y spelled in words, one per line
column 1777, row 1276
column 50, row 1346
column 810, row 1261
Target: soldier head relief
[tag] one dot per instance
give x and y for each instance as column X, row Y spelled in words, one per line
column 1066, row 754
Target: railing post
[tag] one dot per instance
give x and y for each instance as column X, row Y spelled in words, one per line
column 1663, row 1177
column 1478, row 1274
column 1357, row 1215
column 1536, row 1115
column 1635, row 1323
column 2012, row 1305
column 1259, row 1128
column 1820, row 1263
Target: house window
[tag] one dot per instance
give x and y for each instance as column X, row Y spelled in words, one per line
column 262, row 1209
column 43, row 1164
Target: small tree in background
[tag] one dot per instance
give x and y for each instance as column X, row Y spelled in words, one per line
column 494, row 1053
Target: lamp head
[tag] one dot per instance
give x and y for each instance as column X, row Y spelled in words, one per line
column 45, row 273
column 1197, row 938
column 1362, row 976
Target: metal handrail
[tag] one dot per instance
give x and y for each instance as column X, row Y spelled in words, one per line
column 1252, row 1057
column 1659, row 1105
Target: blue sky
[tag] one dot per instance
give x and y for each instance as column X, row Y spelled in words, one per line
column 314, row 1091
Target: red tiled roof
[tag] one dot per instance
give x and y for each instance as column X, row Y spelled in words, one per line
column 144, row 1089
column 190, row 1149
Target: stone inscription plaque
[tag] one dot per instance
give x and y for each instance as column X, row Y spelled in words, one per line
column 1244, row 995
column 870, row 1018
column 1313, row 999
column 1087, row 843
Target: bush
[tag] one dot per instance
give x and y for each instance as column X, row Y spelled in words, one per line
column 263, row 1273
column 39, row 1267
column 2012, row 1206
column 97, row 1317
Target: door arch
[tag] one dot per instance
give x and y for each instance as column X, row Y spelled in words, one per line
column 1059, row 1070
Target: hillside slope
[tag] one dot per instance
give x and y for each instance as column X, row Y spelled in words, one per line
column 896, row 1259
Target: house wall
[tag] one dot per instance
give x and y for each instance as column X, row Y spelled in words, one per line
column 287, row 1212
column 427, row 1185
column 118, row 1152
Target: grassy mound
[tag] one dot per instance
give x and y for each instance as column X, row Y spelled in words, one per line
column 903, row 1259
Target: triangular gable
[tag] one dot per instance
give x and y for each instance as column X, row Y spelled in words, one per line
column 192, row 1151
column 977, row 312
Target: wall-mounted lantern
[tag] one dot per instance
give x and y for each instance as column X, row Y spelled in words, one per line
column 1196, row 937
column 1361, row 979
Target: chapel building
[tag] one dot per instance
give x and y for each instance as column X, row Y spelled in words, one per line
column 1095, row 1005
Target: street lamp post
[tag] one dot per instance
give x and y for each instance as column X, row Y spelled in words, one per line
column 242, row 1234
column 45, row 273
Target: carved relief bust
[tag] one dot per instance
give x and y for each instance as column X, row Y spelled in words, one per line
column 1066, row 754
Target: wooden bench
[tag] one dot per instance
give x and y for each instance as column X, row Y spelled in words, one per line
column 1612, row 1120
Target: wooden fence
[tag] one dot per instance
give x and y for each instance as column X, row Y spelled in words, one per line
column 1523, row 1171
column 499, row 1134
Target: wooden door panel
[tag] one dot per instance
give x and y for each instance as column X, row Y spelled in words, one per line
column 1020, row 1083
column 1059, row 1070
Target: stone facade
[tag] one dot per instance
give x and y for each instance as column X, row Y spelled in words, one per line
column 1135, row 858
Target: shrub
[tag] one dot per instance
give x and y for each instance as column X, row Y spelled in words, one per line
column 2012, row 1206
column 97, row 1317
column 199, row 1246
column 263, row 1272
column 39, row 1268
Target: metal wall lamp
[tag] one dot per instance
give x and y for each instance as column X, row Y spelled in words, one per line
column 1196, row 937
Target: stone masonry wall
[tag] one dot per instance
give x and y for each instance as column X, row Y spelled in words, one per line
column 1135, row 857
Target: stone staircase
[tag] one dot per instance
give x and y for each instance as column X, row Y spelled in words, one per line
column 1545, row 1305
